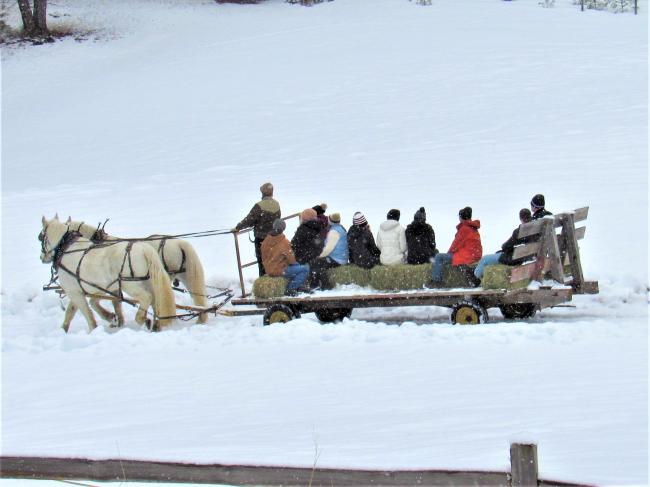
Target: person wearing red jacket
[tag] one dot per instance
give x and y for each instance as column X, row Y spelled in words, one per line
column 465, row 249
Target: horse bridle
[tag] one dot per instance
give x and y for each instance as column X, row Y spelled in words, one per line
column 45, row 242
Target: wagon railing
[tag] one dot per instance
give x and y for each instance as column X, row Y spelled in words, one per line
column 241, row 266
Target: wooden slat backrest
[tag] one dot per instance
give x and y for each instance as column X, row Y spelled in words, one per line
column 527, row 250
column 551, row 250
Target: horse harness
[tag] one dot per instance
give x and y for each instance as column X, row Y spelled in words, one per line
column 100, row 235
column 161, row 252
column 61, row 249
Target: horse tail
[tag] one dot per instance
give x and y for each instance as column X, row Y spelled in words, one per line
column 194, row 276
column 164, row 304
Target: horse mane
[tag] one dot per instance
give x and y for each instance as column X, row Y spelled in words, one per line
column 86, row 230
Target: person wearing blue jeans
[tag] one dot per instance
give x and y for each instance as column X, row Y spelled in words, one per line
column 504, row 256
column 490, row 259
column 297, row 275
column 439, row 263
column 279, row 260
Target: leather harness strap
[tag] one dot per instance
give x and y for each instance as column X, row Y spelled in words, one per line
column 161, row 252
column 62, row 249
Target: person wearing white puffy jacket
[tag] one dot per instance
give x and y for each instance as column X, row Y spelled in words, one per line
column 391, row 240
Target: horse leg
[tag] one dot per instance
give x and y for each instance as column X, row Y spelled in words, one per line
column 119, row 314
column 103, row 312
column 144, row 300
column 70, row 311
column 81, row 303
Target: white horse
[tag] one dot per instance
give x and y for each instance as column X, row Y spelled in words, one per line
column 178, row 257
column 106, row 270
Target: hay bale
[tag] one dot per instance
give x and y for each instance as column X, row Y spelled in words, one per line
column 458, row 276
column 350, row 274
column 269, row 287
column 400, row 277
column 498, row 277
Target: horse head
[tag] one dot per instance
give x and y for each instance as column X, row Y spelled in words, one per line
column 50, row 236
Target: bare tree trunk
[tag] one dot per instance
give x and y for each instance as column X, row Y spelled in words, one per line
column 40, row 16
column 26, row 13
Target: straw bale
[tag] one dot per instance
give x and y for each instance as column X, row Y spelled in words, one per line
column 350, row 274
column 269, row 287
column 400, row 277
column 498, row 277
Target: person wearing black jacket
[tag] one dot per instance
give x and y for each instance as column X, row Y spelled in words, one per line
column 504, row 256
column 307, row 244
column 420, row 240
column 362, row 249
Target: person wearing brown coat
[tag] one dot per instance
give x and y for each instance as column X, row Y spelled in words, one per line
column 279, row 260
column 261, row 218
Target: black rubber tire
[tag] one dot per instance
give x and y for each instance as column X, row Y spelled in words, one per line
column 279, row 313
column 518, row 311
column 330, row 315
column 468, row 313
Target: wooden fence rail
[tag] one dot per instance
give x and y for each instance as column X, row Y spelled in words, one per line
column 523, row 459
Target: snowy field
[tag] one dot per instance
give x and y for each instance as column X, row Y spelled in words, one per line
column 172, row 113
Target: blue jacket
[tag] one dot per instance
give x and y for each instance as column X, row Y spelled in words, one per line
column 340, row 251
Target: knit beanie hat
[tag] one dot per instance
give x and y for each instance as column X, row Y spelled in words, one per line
column 465, row 213
column 308, row 214
column 524, row 215
column 393, row 215
column 335, row 218
column 320, row 209
column 278, row 226
column 420, row 215
column 538, row 201
column 266, row 189
column 359, row 219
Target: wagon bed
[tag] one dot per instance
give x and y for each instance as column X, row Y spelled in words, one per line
column 468, row 305
column 549, row 255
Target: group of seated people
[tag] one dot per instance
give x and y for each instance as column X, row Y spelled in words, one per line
column 321, row 243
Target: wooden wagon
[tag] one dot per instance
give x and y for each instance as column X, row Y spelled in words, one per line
column 551, row 264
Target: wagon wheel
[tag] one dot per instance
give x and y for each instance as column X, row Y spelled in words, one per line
column 468, row 313
column 279, row 313
column 518, row 310
column 330, row 315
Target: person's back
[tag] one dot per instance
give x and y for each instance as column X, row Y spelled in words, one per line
column 391, row 240
column 362, row 250
column 504, row 256
column 261, row 218
column 307, row 243
column 279, row 259
column 420, row 240
column 336, row 242
column 465, row 249
column 276, row 254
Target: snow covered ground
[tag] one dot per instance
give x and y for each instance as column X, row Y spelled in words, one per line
column 169, row 118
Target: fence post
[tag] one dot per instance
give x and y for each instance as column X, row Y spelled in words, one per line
column 523, row 465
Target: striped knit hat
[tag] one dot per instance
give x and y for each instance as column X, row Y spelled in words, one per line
column 359, row 219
